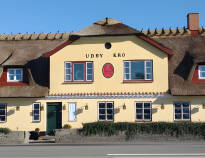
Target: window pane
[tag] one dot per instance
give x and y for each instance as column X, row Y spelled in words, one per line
column 36, row 117
column 68, row 71
column 110, row 117
column 202, row 74
column 139, row 117
column 2, row 106
column 202, row 68
column 147, row 111
column 147, row 116
column 89, row 77
column 79, row 72
column 109, row 111
column 2, row 112
column 148, row 63
column 185, row 104
column 126, row 70
column 68, row 65
column 149, row 76
column 36, row 106
column 149, row 70
column 146, row 105
column 139, row 105
column 36, row 112
column 139, row 111
column 101, row 111
column 101, row 105
column 67, row 77
column 126, row 64
column 177, row 105
column 137, row 70
column 185, row 110
column 101, row 117
column 18, row 77
column 89, row 65
column 11, row 77
column 19, row 72
column 185, row 116
column 127, row 76
column 2, row 118
column 178, row 110
column 89, row 71
column 11, row 72
column 109, row 105
column 177, row 116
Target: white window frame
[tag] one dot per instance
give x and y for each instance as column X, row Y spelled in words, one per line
column 15, row 80
column 5, row 113
column 199, row 72
column 105, row 110
column 145, row 70
column 72, row 71
column 143, row 119
column 75, row 112
column 38, row 114
column 182, row 118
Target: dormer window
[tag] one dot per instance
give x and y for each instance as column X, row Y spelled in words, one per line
column 201, row 71
column 14, row 75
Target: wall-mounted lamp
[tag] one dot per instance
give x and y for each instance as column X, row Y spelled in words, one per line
column 203, row 105
column 86, row 107
column 17, row 108
column 64, row 107
column 162, row 106
column 124, row 107
column 42, row 107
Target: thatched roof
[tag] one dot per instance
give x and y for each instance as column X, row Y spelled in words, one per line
column 109, row 27
column 188, row 51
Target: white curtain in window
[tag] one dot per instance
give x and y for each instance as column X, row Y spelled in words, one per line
column 72, row 111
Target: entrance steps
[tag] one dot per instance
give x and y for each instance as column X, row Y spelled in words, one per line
column 43, row 139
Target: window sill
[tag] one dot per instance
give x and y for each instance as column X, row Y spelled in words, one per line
column 143, row 120
column 137, row 81
column 78, row 82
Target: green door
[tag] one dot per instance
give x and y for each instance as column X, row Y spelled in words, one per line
column 54, row 117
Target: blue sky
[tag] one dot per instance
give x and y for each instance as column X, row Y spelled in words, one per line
column 21, row 16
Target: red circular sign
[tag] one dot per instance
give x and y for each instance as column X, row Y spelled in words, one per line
column 108, row 70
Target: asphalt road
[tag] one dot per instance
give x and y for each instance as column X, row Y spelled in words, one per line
column 191, row 149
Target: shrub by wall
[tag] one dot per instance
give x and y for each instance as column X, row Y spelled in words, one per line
column 153, row 128
column 5, row 130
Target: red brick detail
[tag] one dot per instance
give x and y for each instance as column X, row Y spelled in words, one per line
column 156, row 44
column 48, row 54
column 3, row 80
column 195, row 78
column 194, row 32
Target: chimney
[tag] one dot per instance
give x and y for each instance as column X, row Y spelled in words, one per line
column 193, row 23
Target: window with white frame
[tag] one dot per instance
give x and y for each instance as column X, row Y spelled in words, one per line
column 138, row 70
column 15, row 75
column 78, row 71
column 72, row 112
column 143, row 111
column 181, row 111
column 36, row 112
column 3, row 112
column 201, row 71
column 106, row 111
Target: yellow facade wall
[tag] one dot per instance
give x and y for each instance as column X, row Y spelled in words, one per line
column 133, row 48
column 22, row 120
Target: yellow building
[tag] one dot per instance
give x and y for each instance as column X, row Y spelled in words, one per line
column 105, row 72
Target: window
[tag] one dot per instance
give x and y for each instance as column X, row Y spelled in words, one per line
column 201, row 71
column 15, row 75
column 105, row 111
column 138, row 70
column 143, row 111
column 36, row 112
column 78, row 71
column 3, row 112
column 181, row 111
column 72, row 111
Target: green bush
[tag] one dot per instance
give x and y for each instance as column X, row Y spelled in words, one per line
column 67, row 126
column 5, row 130
column 133, row 129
